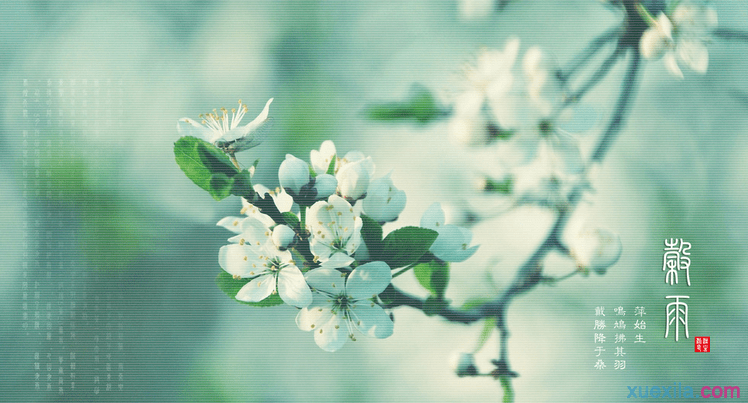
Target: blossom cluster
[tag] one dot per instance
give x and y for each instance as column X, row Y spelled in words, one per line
column 305, row 243
column 518, row 112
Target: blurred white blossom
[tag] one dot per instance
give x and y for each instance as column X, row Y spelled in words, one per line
column 489, row 80
column 595, row 249
column 475, row 9
column 680, row 38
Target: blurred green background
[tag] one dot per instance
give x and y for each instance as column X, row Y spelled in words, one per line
column 104, row 237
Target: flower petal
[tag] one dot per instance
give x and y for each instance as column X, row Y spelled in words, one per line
column 316, row 314
column 292, row 287
column 653, row 43
column 337, row 260
column 231, row 223
column 372, row 320
column 245, row 134
column 433, row 217
column 189, row 127
column 238, row 260
column 452, row 244
column 261, row 118
column 368, row 280
column 257, row 289
column 332, row 335
column 321, row 159
column 672, row 65
column 566, row 151
column 694, row 54
column 330, row 281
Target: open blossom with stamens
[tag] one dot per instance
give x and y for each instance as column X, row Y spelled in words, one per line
column 341, row 304
column 335, row 230
column 680, row 38
column 272, row 271
column 223, row 129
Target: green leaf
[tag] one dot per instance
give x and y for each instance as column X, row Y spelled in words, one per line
column 220, row 186
column 371, row 232
column 331, row 167
column 474, row 303
column 406, row 245
column 421, row 107
column 433, row 305
column 433, row 276
column 389, row 295
column 242, row 185
column 228, row 285
column 291, row 220
column 214, row 159
column 488, row 327
column 206, row 166
column 502, row 187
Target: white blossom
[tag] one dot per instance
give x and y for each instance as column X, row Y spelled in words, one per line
column 335, row 232
column 384, row 202
column 342, row 303
column 325, row 185
column 680, row 39
column 321, row 159
column 293, row 174
column 475, row 9
column 354, row 177
column 489, row 80
column 596, row 249
column 452, row 243
column 224, row 131
column 283, row 236
column 272, row 271
column 252, row 226
column 282, row 200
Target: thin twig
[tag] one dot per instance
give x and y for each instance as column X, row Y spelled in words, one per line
column 599, row 74
column 581, row 59
column 730, row 34
column 530, row 273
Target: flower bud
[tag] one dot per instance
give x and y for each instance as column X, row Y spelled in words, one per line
column 283, row 236
column 464, row 365
column 325, row 186
column 383, row 202
column 596, row 249
column 293, row 174
column 353, row 178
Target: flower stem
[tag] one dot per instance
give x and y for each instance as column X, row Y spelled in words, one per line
column 592, row 48
column 233, row 159
column 599, row 74
column 731, row 34
column 530, row 273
